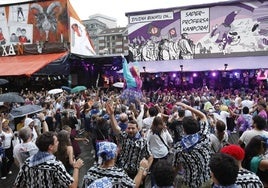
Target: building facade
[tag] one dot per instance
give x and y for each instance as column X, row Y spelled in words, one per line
column 106, row 36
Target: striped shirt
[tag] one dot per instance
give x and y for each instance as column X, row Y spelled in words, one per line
column 133, row 150
column 195, row 162
column 246, row 179
column 51, row 173
column 117, row 176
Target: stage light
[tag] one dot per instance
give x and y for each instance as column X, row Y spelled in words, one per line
column 194, row 75
column 181, row 66
column 225, row 66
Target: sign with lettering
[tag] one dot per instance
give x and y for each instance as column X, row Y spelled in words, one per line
column 195, row 21
column 151, row 17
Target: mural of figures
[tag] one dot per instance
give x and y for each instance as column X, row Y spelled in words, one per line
column 186, row 47
column 261, row 17
column 3, row 27
column 21, row 33
column 19, row 13
column 223, row 31
column 236, row 29
column 2, row 37
column 46, row 18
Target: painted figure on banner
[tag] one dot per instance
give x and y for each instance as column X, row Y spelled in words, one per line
column 46, row 18
column 2, row 38
column 225, row 33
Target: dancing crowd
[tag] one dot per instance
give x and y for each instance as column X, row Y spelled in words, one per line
column 160, row 139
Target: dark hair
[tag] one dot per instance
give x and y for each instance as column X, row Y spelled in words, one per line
column 220, row 127
column 133, row 122
column 153, row 111
column 181, row 112
column 64, row 141
column 259, row 121
column 190, row 125
column 163, row 173
column 157, row 125
column 252, row 149
column 45, row 140
column 245, row 110
column 224, row 168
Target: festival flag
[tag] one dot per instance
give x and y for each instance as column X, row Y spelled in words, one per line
column 80, row 41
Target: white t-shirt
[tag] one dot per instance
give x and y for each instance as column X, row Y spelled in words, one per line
column 24, row 150
column 156, row 146
column 6, row 143
column 249, row 134
column 222, row 116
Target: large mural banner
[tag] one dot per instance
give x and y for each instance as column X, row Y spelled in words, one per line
column 237, row 29
column 39, row 27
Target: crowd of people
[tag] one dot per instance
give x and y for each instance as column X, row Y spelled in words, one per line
column 160, row 139
column 132, row 142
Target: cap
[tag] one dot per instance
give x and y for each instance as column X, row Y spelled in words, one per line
column 235, row 151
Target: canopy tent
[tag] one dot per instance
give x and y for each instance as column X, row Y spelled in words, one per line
column 26, row 65
column 209, row 64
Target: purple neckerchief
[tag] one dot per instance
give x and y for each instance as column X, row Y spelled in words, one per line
column 40, row 157
column 189, row 141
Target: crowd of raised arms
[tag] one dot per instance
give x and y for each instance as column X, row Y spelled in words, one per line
column 166, row 138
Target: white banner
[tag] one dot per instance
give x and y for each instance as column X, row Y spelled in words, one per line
column 151, row 17
column 195, row 21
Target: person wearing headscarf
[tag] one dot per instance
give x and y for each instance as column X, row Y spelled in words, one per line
column 107, row 153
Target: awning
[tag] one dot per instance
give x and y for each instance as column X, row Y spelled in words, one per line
column 208, row 64
column 27, row 64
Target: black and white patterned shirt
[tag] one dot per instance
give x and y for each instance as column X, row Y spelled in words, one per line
column 195, row 162
column 133, row 150
column 51, row 173
column 117, row 176
column 248, row 179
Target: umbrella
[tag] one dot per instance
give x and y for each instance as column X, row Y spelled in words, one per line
column 78, row 89
column 25, row 110
column 66, row 88
column 55, row 91
column 119, row 84
column 11, row 97
column 3, row 81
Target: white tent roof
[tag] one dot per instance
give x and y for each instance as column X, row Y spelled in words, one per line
column 208, row 64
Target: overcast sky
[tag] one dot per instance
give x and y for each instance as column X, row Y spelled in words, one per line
column 117, row 8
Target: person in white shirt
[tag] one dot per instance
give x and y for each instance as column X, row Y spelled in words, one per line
column 259, row 124
column 7, row 135
column 25, row 149
column 159, row 140
column 147, row 122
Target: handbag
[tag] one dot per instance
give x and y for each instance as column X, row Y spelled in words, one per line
column 169, row 157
